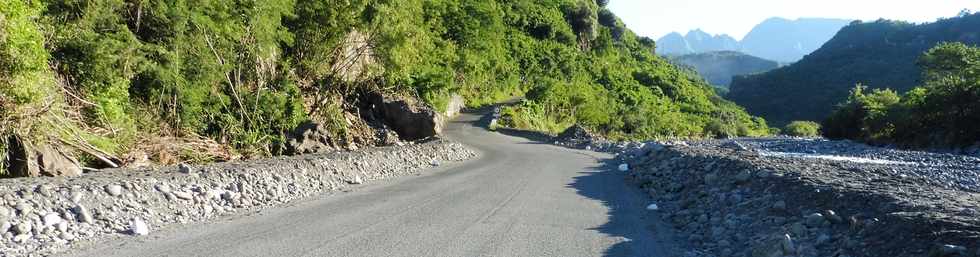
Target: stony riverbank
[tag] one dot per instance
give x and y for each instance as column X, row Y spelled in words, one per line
column 808, row 197
column 39, row 216
column 735, row 198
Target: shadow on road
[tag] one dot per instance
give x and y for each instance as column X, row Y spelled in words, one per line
column 484, row 122
column 643, row 232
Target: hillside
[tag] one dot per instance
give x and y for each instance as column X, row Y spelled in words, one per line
column 107, row 83
column 880, row 54
column 775, row 39
column 788, row 41
column 718, row 68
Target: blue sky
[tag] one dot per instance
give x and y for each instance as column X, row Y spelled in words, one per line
column 655, row 18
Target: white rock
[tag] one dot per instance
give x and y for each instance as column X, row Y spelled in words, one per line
column 653, row 207
column 183, row 195
column 63, row 226
column 164, row 188
column 51, row 219
column 76, row 197
column 624, row 167
column 4, row 226
column 114, row 190
column 22, row 238
column 138, row 227
column 357, row 180
column 215, row 194
column 788, row 246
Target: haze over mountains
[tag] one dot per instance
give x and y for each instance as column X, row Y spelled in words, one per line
column 719, row 67
column 777, row 39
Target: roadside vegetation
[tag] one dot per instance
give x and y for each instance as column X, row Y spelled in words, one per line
column 119, row 81
column 944, row 112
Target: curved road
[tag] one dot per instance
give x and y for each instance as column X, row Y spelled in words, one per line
column 519, row 198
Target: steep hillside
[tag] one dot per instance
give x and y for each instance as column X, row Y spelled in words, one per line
column 788, row 41
column 880, row 54
column 718, row 68
column 106, row 82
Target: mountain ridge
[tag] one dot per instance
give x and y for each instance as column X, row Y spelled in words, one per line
column 779, row 39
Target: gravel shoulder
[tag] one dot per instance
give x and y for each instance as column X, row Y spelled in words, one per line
column 41, row 216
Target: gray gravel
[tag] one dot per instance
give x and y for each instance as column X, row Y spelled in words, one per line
column 947, row 170
column 808, row 197
column 40, row 216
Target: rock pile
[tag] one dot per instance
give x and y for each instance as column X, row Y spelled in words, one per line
column 728, row 201
column 580, row 137
column 39, row 216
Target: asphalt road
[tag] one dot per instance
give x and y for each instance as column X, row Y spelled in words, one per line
column 519, row 198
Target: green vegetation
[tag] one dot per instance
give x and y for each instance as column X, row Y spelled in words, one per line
column 943, row 112
column 802, row 129
column 129, row 77
column 32, row 108
column 880, row 54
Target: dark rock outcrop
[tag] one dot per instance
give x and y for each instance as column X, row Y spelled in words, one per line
column 412, row 121
column 27, row 160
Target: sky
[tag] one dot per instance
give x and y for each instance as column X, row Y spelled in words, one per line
column 655, row 18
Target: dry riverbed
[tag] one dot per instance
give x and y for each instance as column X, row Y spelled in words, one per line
column 807, row 197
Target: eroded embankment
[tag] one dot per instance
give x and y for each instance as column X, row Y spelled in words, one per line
column 733, row 201
column 39, row 216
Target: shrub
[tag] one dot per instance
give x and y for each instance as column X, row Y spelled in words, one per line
column 944, row 112
column 802, row 129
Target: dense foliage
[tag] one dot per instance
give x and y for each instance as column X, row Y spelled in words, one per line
column 943, row 112
column 880, row 54
column 241, row 74
column 802, row 129
column 718, row 68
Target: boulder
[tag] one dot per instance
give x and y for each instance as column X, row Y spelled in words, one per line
column 27, row 160
column 411, row 121
column 575, row 133
column 309, row 137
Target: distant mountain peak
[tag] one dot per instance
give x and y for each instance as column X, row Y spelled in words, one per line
column 775, row 38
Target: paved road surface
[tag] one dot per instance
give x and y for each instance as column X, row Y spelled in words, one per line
column 519, row 198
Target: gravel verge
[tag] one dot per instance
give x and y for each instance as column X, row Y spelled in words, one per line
column 42, row 216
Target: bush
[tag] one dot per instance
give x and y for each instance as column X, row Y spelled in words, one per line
column 944, row 112
column 802, row 129
column 244, row 73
